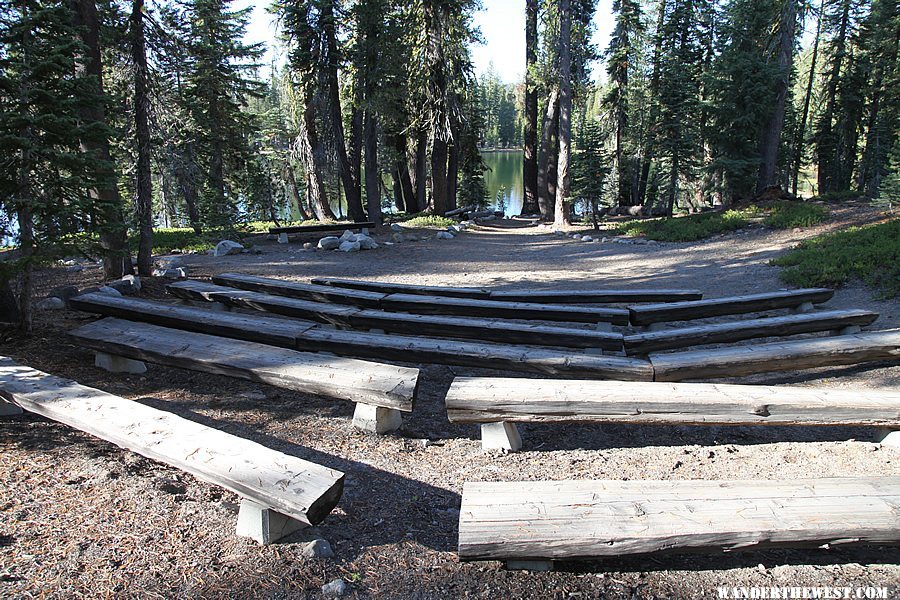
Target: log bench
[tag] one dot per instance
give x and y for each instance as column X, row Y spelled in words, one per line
column 801, row 300
column 431, row 305
column 498, row 403
column 538, row 296
column 381, row 392
column 836, row 321
column 283, row 232
column 311, row 337
column 530, row 524
column 347, row 317
column 281, row 493
column 793, row 355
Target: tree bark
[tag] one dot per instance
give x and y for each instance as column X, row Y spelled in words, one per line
column 561, row 215
column 402, row 180
column 452, row 175
column 294, row 191
column 800, row 138
column 439, row 175
column 654, row 94
column 144, row 199
column 547, row 156
column 420, row 167
column 530, row 156
column 771, row 138
column 113, row 234
column 313, row 159
column 827, row 145
column 373, row 179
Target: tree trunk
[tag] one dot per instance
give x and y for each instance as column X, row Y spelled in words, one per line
column 771, row 138
column 530, row 156
column 402, row 180
column 113, row 234
column 673, row 186
column 800, row 137
column 439, row 175
column 826, row 144
column 561, row 214
column 291, row 180
column 313, row 159
column 420, row 167
column 452, row 175
column 144, row 199
column 187, row 185
column 547, row 156
column 654, row 94
column 373, row 179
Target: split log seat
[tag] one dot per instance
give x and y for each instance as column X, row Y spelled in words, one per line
column 733, row 331
column 377, row 389
column 530, row 524
column 790, row 355
column 310, row 337
column 347, row 317
column 539, row 296
column 431, row 305
column 283, row 232
column 803, row 299
column 281, row 493
column 498, row 403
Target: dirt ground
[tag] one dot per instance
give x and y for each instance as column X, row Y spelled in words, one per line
column 82, row 518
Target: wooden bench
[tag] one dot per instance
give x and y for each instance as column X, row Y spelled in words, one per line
column 792, row 355
column 381, row 392
column 803, row 300
column 283, row 232
column 498, row 403
column 313, row 338
column 281, row 493
column 538, row 296
column 427, row 325
column 431, row 305
column 837, row 321
column 530, row 524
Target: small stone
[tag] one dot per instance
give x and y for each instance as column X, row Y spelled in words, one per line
column 135, row 281
column 575, row 236
column 796, row 230
column 109, row 291
column 308, row 246
column 348, row 236
column 587, row 238
column 318, row 548
column 124, row 286
column 51, row 303
column 63, row 292
column 365, row 242
column 227, row 247
column 334, row 589
column 330, row 242
column 256, row 396
column 444, row 235
column 169, row 485
column 388, row 243
column 397, row 227
column 349, row 246
column 397, row 238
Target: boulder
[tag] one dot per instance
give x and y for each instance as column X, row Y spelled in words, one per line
column 444, row 235
column 51, row 303
column 329, row 243
column 397, row 227
column 365, row 242
column 317, row 548
column 308, row 246
column 63, row 292
column 575, row 236
column 349, row 246
column 348, row 236
column 397, row 238
column 227, row 247
column 587, row 238
column 176, row 273
column 635, row 211
column 127, row 285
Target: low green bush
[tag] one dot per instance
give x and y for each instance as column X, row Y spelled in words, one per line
column 685, row 229
column 870, row 253
column 427, row 220
column 787, row 215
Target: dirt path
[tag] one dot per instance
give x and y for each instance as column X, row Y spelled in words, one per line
column 79, row 517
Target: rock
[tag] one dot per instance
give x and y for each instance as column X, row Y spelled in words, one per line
column 227, row 247
column 635, row 211
column 349, row 246
column 255, row 396
column 575, row 236
column 604, row 240
column 317, row 549
column 397, row 238
column 348, row 236
column 365, row 242
column 109, row 291
column 444, row 235
column 396, row 227
column 74, row 269
column 135, row 281
column 51, row 303
column 169, row 485
column 63, row 292
column 329, row 243
column 308, row 246
column 174, row 261
column 389, row 243
column 587, row 238
column 334, row 589
column 178, row 273
column 796, row 230
column 128, row 285
column 456, row 228
column 558, row 232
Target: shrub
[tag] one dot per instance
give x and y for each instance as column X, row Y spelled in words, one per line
column 787, row 215
column 685, row 229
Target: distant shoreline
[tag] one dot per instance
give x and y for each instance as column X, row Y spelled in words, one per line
column 500, row 149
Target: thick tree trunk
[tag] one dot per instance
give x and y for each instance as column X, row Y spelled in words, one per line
column 547, row 157
column 420, row 167
column 530, row 156
column 402, row 180
column 452, row 175
column 113, row 234
column 294, row 191
column 187, row 185
column 771, row 138
column 313, row 162
column 654, row 94
column 673, row 186
column 561, row 213
column 800, row 138
column 144, row 199
column 826, row 143
column 373, row 179
column 439, row 176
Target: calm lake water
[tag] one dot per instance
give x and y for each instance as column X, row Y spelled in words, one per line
column 504, row 180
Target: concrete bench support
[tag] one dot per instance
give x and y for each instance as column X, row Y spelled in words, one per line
column 376, row 419
column 282, row 238
column 849, row 330
column 803, row 308
column 8, row 410
column 265, row 525
column 529, row 565
column 119, row 364
column 888, row 437
column 500, row 436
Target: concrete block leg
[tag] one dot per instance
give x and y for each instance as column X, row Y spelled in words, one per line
column 529, row 565
column 119, row 364
column 500, row 436
column 265, row 525
column 219, row 307
column 376, row 419
column 654, row 327
column 7, row 409
column 282, row 238
column 848, row 330
column 804, row 308
column 594, row 351
column 888, row 437
column 604, row 326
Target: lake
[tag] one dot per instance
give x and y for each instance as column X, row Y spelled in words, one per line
column 504, row 180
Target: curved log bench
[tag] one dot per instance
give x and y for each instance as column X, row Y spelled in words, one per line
column 499, row 403
column 283, row 232
column 281, row 493
column 403, row 288
column 529, row 524
column 303, row 291
column 803, row 299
